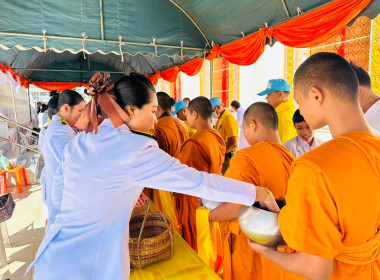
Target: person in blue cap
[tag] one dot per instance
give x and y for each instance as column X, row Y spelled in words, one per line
column 277, row 94
column 228, row 128
column 180, row 109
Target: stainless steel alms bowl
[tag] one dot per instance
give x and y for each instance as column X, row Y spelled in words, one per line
column 211, row 205
column 261, row 226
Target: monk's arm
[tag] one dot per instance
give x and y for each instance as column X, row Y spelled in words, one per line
column 224, row 212
column 308, row 266
column 231, row 144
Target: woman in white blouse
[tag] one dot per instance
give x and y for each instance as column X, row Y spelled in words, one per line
column 70, row 106
column 103, row 175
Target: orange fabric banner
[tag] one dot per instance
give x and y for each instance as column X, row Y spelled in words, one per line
column 318, row 26
column 6, row 68
column 306, row 30
column 190, row 68
column 193, row 67
column 170, row 74
column 58, row 86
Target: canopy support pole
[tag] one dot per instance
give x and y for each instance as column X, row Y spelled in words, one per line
column 192, row 20
column 285, row 8
column 211, row 78
column 101, row 18
column 14, row 104
column 97, row 40
column 30, row 108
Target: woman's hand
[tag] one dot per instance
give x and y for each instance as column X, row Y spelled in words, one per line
column 141, row 200
column 266, row 199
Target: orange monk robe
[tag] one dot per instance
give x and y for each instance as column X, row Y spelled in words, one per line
column 204, row 151
column 171, row 134
column 333, row 208
column 265, row 164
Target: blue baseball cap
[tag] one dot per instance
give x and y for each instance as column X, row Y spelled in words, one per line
column 275, row 84
column 215, row 101
column 179, row 106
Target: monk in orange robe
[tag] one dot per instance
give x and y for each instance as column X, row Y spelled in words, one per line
column 171, row 134
column 265, row 163
column 204, row 151
column 332, row 212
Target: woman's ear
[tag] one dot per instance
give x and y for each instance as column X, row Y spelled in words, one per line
column 66, row 108
column 130, row 110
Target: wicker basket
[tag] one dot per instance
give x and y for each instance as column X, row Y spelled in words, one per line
column 151, row 238
column 7, row 205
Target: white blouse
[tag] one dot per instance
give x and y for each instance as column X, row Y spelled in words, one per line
column 101, row 179
column 54, row 140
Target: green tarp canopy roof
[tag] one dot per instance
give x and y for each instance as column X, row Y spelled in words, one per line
column 50, row 40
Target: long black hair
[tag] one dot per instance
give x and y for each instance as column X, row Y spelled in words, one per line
column 135, row 90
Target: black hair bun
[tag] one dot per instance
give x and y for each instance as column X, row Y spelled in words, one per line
column 54, row 93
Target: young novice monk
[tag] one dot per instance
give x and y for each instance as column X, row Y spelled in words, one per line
column 204, row 151
column 266, row 163
column 305, row 141
column 170, row 134
column 331, row 217
column 180, row 109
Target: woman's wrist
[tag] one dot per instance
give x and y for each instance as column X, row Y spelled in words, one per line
column 262, row 194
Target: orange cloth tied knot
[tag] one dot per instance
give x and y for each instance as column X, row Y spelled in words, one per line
column 266, row 32
column 101, row 90
column 215, row 51
column 361, row 254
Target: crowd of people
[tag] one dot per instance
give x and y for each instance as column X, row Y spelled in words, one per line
column 141, row 143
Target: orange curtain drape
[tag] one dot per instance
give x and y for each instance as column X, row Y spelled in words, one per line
column 190, row 68
column 306, row 30
column 58, row 86
column 318, row 26
column 6, row 68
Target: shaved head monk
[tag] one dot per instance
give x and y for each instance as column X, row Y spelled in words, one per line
column 265, row 163
column 204, row 151
column 170, row 134
column 332, row 212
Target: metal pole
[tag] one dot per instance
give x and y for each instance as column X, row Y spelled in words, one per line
column 101, row 19
column 97, row 40
column 19, row 125
column 15, row 112
column 19, row 145
column 14, row 103
column 30, row 108
column 211, row 78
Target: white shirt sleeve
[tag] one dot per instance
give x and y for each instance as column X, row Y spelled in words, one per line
column 155, row 169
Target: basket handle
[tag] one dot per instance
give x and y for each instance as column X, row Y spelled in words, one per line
column 143, row 225
column 166, row 222
column 141, row 231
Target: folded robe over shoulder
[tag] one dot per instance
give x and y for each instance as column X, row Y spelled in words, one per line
column 265, row 164
column 333, row 208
